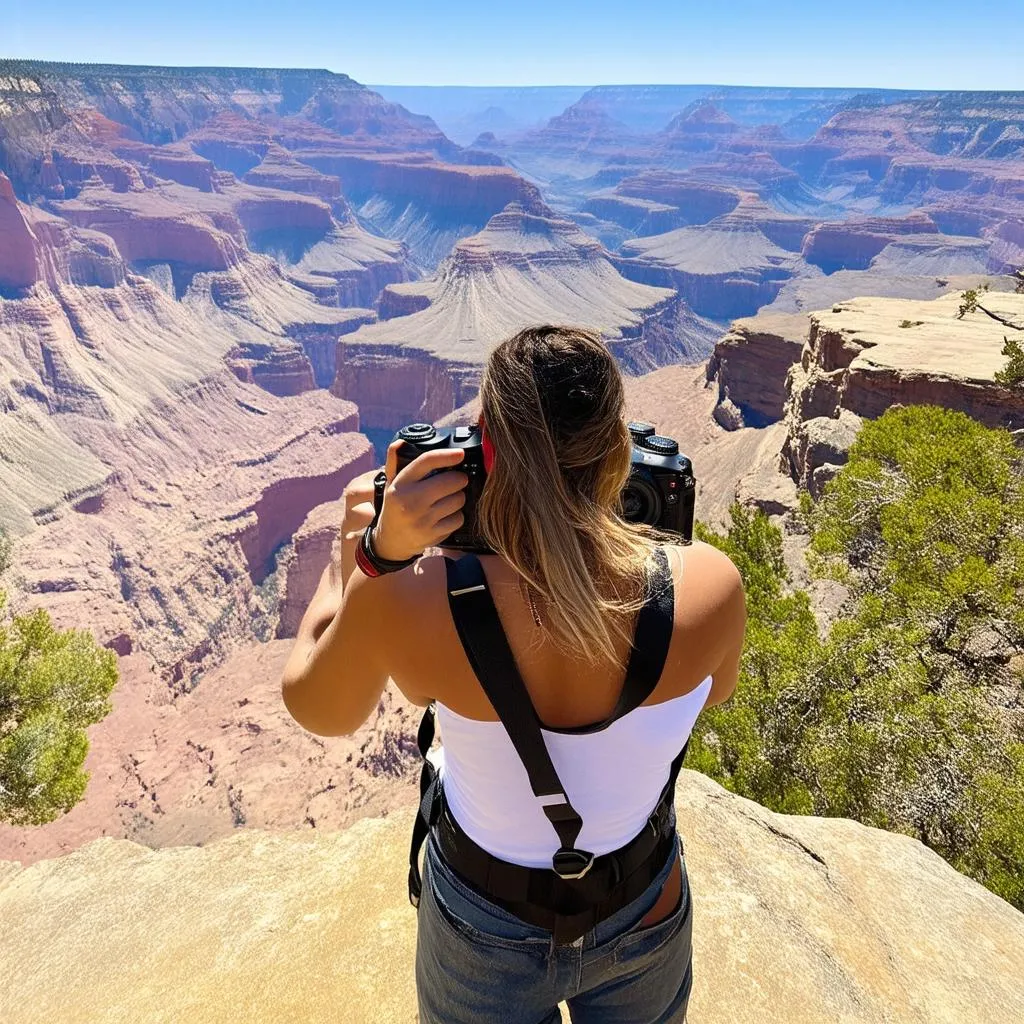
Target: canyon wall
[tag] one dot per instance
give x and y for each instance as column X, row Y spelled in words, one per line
column 749, row 365
column 423, row 359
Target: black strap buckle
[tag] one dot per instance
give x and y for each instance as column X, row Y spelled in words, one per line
column 572, row 864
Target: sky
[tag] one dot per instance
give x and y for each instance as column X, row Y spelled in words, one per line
column 869, row 43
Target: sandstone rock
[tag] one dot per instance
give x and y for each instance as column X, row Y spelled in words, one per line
column 579, row 140
column 815, row 290
column 279, row 369
column 312, row 546
column 727, row 414
column 766, row 487
column 801, row 920
column 698, row 201
column 722, row 270
column 852, row 245
column 18, row 266
column 280, row 170
column 817, row 448
column 750, row 364
column 867, row 354
column 427, row 203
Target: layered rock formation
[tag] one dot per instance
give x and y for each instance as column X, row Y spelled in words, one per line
column 866, row 354
column 426, row 203
column 312, row 133
column 311, row 549
column 723, row 270
column 782, row 930
column 525, row 268
column 907, row 184
column 578, row 141
column 169, row 770
column 898, row 245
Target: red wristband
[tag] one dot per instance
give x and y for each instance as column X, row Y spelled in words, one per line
column 362, row 560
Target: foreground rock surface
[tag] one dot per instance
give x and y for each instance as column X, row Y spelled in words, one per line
column 796, row 920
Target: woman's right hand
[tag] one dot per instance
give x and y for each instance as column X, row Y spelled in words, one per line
column 419, row 509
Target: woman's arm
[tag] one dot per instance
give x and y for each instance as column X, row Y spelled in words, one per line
column 313, row 706
column 731, row 618
column 338, row 667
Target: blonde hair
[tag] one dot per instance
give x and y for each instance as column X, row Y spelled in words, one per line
column 553, row 405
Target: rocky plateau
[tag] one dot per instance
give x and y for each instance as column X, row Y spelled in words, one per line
column 290, row 926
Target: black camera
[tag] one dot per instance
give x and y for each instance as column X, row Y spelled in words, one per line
column 660, row 490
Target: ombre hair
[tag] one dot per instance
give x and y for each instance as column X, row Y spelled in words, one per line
column 554, row 408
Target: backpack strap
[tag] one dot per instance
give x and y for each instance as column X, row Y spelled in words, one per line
column 510, row 698
column 479, row 629
column 430, row 802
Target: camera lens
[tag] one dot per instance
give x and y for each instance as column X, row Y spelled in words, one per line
column 641, row 502
column 417, row 432
column 638, row 431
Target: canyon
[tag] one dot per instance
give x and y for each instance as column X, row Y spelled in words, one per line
column 221, row 291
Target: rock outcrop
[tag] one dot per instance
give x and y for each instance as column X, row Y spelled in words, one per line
column 312, row 546
column 722, row 269
column 19, row 269
column 750, row 364
column 852, row 245
column 799, row 920
column 867, row 354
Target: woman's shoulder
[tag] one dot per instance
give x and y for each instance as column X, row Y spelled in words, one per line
column 707, row 581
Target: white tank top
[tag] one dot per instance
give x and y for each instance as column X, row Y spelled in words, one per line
column 613, row 778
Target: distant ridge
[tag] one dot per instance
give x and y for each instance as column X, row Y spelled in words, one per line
column 18, row 66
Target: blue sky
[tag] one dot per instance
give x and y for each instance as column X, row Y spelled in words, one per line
column 897, row 43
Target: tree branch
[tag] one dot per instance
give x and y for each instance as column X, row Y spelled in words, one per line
column 996, row 316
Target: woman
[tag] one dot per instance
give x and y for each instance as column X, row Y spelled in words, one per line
column 572, row 585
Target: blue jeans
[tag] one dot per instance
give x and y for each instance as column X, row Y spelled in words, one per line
column 478, row 964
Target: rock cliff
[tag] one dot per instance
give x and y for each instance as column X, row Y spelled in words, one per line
column 724, row 269
column 750, row 364
column 312, row 546
column 864, row 355
column 798, row 920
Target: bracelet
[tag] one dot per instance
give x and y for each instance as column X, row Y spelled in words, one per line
column 370, row 563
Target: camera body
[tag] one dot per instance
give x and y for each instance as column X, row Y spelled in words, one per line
column 660, row 491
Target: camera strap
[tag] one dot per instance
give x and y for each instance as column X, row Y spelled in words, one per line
column 486, row 646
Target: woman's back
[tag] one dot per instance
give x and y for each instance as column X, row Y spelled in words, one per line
column 428, row 662
column 613, row 775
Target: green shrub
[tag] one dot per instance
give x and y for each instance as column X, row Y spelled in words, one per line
column 53, row 684
column 901, row 715
column 1012, row 375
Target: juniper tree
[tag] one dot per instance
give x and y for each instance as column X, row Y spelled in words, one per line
column 906, row 713
column 53, row 684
